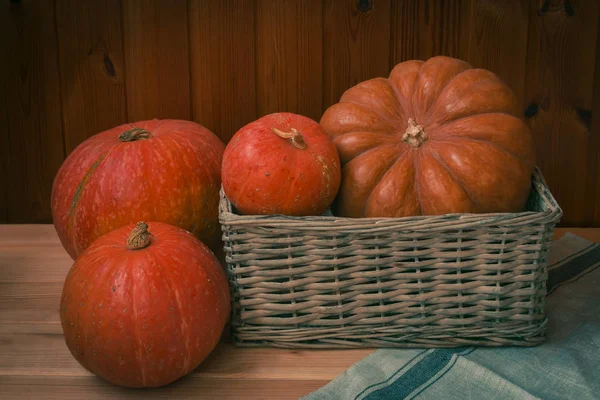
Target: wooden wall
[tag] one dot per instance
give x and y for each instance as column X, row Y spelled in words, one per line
column 72, row 68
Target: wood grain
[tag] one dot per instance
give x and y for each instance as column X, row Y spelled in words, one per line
column 593, row 168
column 486, row 33
column 5, row 194
column 222, row 64
column 74, row 68
column 13, row 262
column 288, row 47
column 559, row 91
column 356, row 37
column 47, row 354
column 157, row 65
column 27, row 235
column 30, row 302
column 92, row 74
column 93, row 388
column 496, row 39
column 423, row 29
column 32, row 142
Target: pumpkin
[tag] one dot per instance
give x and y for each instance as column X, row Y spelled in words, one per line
column 144, row 305
column 161, row 170
column 435, row 137
column 282, row 163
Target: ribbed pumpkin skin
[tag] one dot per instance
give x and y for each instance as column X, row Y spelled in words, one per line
column 478, row 155
column 172, row 177
column 144, row 318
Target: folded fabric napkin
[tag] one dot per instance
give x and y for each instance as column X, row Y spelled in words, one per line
column 566, row 366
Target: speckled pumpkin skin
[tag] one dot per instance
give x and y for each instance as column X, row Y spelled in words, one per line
column 144, row 318
column 172, row 176
column 263, row 173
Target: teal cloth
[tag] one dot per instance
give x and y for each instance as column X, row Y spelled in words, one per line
column 566, row 366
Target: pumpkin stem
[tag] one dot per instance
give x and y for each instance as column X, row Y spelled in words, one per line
column 415, row 134
column 139, row 237
column 294, row 135
column 134, row 134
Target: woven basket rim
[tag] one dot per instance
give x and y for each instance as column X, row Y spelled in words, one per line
column 552, row 214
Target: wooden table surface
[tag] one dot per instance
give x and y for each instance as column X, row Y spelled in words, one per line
column 36, row 364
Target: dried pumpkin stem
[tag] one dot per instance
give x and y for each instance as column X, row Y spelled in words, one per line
column 293, row 135
column 134, row 134
column 415, row 134
column 139, row 237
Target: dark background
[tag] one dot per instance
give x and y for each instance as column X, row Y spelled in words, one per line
column 72, row 68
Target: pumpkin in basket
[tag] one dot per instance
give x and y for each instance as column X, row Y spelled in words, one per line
column 144, row 305
column 282, row 163
column 160, row 170
column 434, row 137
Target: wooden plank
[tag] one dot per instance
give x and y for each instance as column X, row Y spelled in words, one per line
column 44, row 264
column 4, row 132
column 32, row 143
column 497, row 40
column 30, row 302
column 31, row 328
column 90, row 48
column 594, row 168
column 28, row 235
column 356, row 42
column 157, row 66
column 423, row 29
column 222, row 60
column 265, row 363
column 47, row 354
column 289, row 47
column 488, row 34
column 558, row 92
column 93, row 388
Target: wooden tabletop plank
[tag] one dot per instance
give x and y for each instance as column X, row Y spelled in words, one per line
column 28, row 235
column 47, row 354
column 22, row 302
column 35, row 362
column 190, row 387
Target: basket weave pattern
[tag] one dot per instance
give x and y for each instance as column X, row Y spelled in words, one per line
column 426, row 281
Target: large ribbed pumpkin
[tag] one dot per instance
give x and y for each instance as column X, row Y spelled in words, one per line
column 157, row 170
column 435, row 137
column 144, row 305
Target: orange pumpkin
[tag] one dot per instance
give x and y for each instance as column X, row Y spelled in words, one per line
column 159, row 170
column 282, row 163
column 144, row 305
column 434, row 137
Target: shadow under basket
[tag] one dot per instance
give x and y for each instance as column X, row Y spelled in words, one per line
column 427, row 281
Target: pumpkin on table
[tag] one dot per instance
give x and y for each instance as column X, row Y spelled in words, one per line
column 282, row 163
column 160, row 170
column 434, row 137
column 144, row 305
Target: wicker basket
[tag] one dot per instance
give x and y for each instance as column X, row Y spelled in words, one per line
column 427, row 281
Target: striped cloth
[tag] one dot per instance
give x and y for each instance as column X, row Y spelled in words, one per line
column 566, row 366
